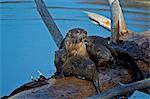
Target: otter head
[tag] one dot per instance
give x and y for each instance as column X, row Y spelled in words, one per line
column 77, row 35
column 74, row 41
column 99, row 54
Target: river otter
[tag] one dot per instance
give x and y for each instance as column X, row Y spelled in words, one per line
column 81, row 67
column 98, row 51
column 72, row 45
column 73, row 59
column 104, row 54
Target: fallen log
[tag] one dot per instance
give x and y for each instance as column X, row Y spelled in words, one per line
column 71, row 87
column 64, row 88
column 129, row 35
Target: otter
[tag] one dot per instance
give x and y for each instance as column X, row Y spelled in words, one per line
column 104, row 54
column 72, row 45
column 73, row 59
column 98, row 51
column 74, row 42
column 82, row 67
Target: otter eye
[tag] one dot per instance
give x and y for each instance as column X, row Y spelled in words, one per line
column 91, row 45
column 98, row 50
column 85, row 33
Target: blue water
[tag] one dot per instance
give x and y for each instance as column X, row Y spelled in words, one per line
column 26, row 45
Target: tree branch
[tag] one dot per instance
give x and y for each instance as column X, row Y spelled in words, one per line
column 99, row 19
column 49, row 22
column 123, row 89
column 116, row 25
column 117, row 12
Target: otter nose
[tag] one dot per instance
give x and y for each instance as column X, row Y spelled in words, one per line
column 111, row 58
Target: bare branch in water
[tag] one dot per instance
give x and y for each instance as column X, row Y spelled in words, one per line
column 49, row 22
column 116, row 25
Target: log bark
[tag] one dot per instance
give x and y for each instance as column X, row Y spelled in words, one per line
column 49, row 22
column 71, row 87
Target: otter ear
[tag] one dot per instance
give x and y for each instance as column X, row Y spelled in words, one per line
column 85, row 32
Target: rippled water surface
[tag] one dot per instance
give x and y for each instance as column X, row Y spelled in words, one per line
column 27, row 46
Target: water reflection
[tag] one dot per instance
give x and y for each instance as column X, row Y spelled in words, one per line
column 27, row 45
column 15, row 2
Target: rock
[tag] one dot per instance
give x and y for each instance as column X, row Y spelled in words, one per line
column 139, row 95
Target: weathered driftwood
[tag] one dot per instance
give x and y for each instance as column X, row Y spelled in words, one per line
column 117, row 25
column 123, row 89
column 99, row 20
column 71, row 87
column 129, row 35
column 49, row 22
